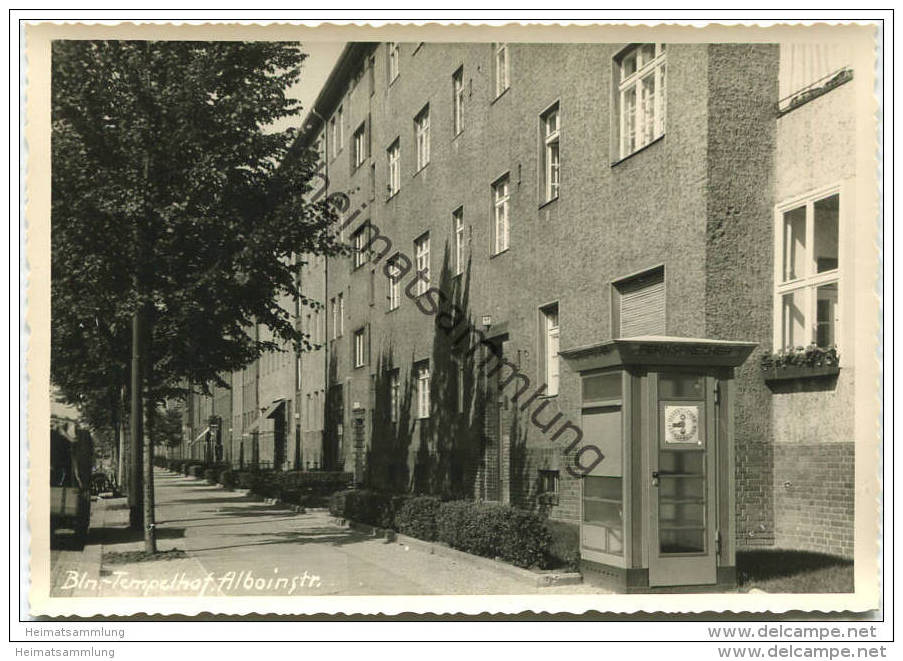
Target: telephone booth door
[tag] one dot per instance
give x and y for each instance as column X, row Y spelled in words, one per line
column 682, row 482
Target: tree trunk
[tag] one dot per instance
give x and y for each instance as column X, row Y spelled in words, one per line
column 150, row 530
column 136, row 431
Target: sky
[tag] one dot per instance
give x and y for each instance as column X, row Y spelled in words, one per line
column 322, row 55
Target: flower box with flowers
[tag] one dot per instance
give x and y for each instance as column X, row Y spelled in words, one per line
column 800, row 363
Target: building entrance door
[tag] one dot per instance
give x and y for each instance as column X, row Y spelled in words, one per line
column 683, row 534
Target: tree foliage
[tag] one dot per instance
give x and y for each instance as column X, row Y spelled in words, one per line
column 168, row 192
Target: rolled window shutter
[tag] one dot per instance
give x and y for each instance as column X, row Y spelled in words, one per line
column 643, row 307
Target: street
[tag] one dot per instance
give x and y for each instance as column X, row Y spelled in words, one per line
column 219, row 543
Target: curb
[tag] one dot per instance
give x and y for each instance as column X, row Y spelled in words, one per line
column 437, row 548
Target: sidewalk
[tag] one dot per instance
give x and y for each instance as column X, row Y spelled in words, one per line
column 235, row 545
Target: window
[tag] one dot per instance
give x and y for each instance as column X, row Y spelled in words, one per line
column 371, row 74
column 337, row 305
column 394, row 176
column 551, row 163
column 392, row 50
column 423, row 390
column 360, row 242
column 422, row 257
column 806, row 295
column 638, row 305
column 458, row 100
column 393, row 395
column 500, row 220
column 316, row 328
column 394, row 280
column 360, row 145
column 335, row 317
column 548, row 486
column 422, row 136
column 360, row 347
column 550, row 334
column 338, row 137
column 458, row 234
column 501, row 68
column 640, row 72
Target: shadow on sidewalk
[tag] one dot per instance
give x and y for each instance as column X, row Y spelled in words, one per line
column 325, row 535
column 125, row 535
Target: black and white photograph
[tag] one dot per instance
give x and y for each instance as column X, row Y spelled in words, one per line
column 471, row 319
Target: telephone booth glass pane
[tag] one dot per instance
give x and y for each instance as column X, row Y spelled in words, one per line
column 602, row 387
column 603, row 514
column 678, row 386
column 682, row 501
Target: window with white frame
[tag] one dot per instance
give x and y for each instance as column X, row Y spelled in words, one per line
column 393, row 295
column 500, row 215
column 458, row 237
column 458, row 100
column 359, row 243
column 422, row 136
column 550, row 123
column 808, row 272
column 423, row 390
column 501, row 68
column 341, row 324
column 338, row 137
column 422, row 262
column 640, row 73
column 392, row 57
column 335, row 317
column 360, row 145
column 550, row 335
column 394, row 168
column 360, row 347
column 394, row 388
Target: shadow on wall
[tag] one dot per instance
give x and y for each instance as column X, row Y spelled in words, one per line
column 334, row 418
column 452, row 438
column 392, row 428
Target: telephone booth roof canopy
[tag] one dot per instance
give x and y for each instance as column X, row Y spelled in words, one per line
column 656, row 350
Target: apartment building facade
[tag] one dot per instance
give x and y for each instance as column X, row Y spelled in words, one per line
column 559, row 195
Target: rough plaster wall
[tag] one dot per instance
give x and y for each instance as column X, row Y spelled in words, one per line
column 743, row 90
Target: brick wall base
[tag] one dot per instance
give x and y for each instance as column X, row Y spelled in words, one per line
column 813, row 497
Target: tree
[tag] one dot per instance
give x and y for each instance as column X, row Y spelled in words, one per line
column 167, row 426
column 171, row 200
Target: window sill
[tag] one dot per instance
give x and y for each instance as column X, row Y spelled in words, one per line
column 393, row 195
column 547, row 396
column 499, row 96
column 391, row 310
column 424, row 167
column 499, row 253
column 457, row 135
column 547, row 203
column 638, row 151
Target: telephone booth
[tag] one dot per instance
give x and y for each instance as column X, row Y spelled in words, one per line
column 657, row 501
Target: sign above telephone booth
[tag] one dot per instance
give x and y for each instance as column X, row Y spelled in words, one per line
column 657, row 510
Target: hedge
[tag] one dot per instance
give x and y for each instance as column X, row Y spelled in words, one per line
column 491, row 530
column 564, row 548
column 227, row 479
column 210, row 474
column 417, row 517
column 365, row 506
column 197, row 470
column 516, row 536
